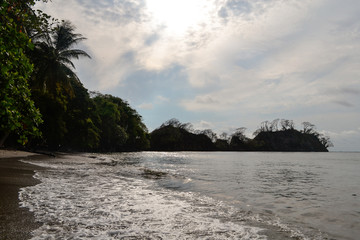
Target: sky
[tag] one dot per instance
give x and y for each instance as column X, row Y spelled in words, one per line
column 225, row 64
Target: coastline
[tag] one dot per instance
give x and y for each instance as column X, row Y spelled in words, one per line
column 16, row 222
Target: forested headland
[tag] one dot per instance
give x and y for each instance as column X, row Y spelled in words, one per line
column 276, row 135
column 44, row 105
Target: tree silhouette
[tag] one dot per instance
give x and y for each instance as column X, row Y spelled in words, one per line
column 308, row 128
column 53, row 56
column 210, row 134
column 287, row 124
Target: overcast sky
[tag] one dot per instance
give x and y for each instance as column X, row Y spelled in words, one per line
column 224, row 64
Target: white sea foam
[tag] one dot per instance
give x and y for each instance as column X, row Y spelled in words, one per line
column 84, row 200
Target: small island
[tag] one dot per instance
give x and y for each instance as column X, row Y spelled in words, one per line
column 277, row 135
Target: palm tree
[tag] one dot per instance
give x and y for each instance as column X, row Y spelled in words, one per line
column 52, row 57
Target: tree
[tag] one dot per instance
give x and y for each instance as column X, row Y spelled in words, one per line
column 121, row 127
column 224, row 136
column 264, row 127
column 53, row 80
column 308, row 128
column 172, row 122
column 240, row 134
column 53, row 56
column 210, row 134
column 113, row 136
column 239, row 141
column 274, row 125
column 222, row 143
column 81, row 119
column 174, row 136
column 287, row 124
column 18, row 113
column 325, row 141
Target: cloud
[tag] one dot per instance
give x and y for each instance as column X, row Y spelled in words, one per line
column 207, row 102
column 282, row 40
column 160, row 98
column 146, row 106
column 344, row 103
column 277, row 63
column 345, row 140
column 203, row 125
column 343, row 133
column 350, row 91
column 234, row 8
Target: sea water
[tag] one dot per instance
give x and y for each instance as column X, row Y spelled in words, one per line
column 197, row 195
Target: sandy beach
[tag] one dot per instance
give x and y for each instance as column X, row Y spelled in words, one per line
column 15, row 222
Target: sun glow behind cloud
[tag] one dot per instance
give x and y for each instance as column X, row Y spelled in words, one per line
column 179, row 27
column 177, row 17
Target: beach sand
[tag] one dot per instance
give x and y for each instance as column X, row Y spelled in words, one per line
column 15, row 222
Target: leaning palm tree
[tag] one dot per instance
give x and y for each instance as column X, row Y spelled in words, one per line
column 52, row 57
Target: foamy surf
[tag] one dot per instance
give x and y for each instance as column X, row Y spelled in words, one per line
column 84, row 200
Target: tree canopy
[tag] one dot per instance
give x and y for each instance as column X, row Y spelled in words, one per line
column 18, row 113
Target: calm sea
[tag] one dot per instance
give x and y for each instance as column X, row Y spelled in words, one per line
column 197, row 195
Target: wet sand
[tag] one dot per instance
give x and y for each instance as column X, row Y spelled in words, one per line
column 15, row 222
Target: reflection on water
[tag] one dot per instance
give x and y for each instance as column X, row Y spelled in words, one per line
column 289, row 183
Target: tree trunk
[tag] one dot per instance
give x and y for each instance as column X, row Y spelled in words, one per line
column 4, row 137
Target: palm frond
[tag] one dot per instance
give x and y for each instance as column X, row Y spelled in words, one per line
column 74, row 53
column 52, row 57
column 65, row 37
column 76, row 40
column 66, row 61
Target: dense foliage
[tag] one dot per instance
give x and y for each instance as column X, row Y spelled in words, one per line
column 175, row 136
column 18, row 114
column 172, row 137
column 37, row 76
column 120, row 124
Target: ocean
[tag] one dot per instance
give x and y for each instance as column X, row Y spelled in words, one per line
column 197, row 195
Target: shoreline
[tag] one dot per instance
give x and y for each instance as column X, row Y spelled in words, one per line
column 16, row 222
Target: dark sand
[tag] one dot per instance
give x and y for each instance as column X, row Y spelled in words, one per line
column 15, row 222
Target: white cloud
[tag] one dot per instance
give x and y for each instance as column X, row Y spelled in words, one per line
column 146, row 106
column 203, row 125
column 160, row 98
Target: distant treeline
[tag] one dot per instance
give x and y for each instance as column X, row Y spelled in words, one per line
column 277, row 135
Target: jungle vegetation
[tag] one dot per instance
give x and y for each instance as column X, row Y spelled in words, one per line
column 43, row 103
